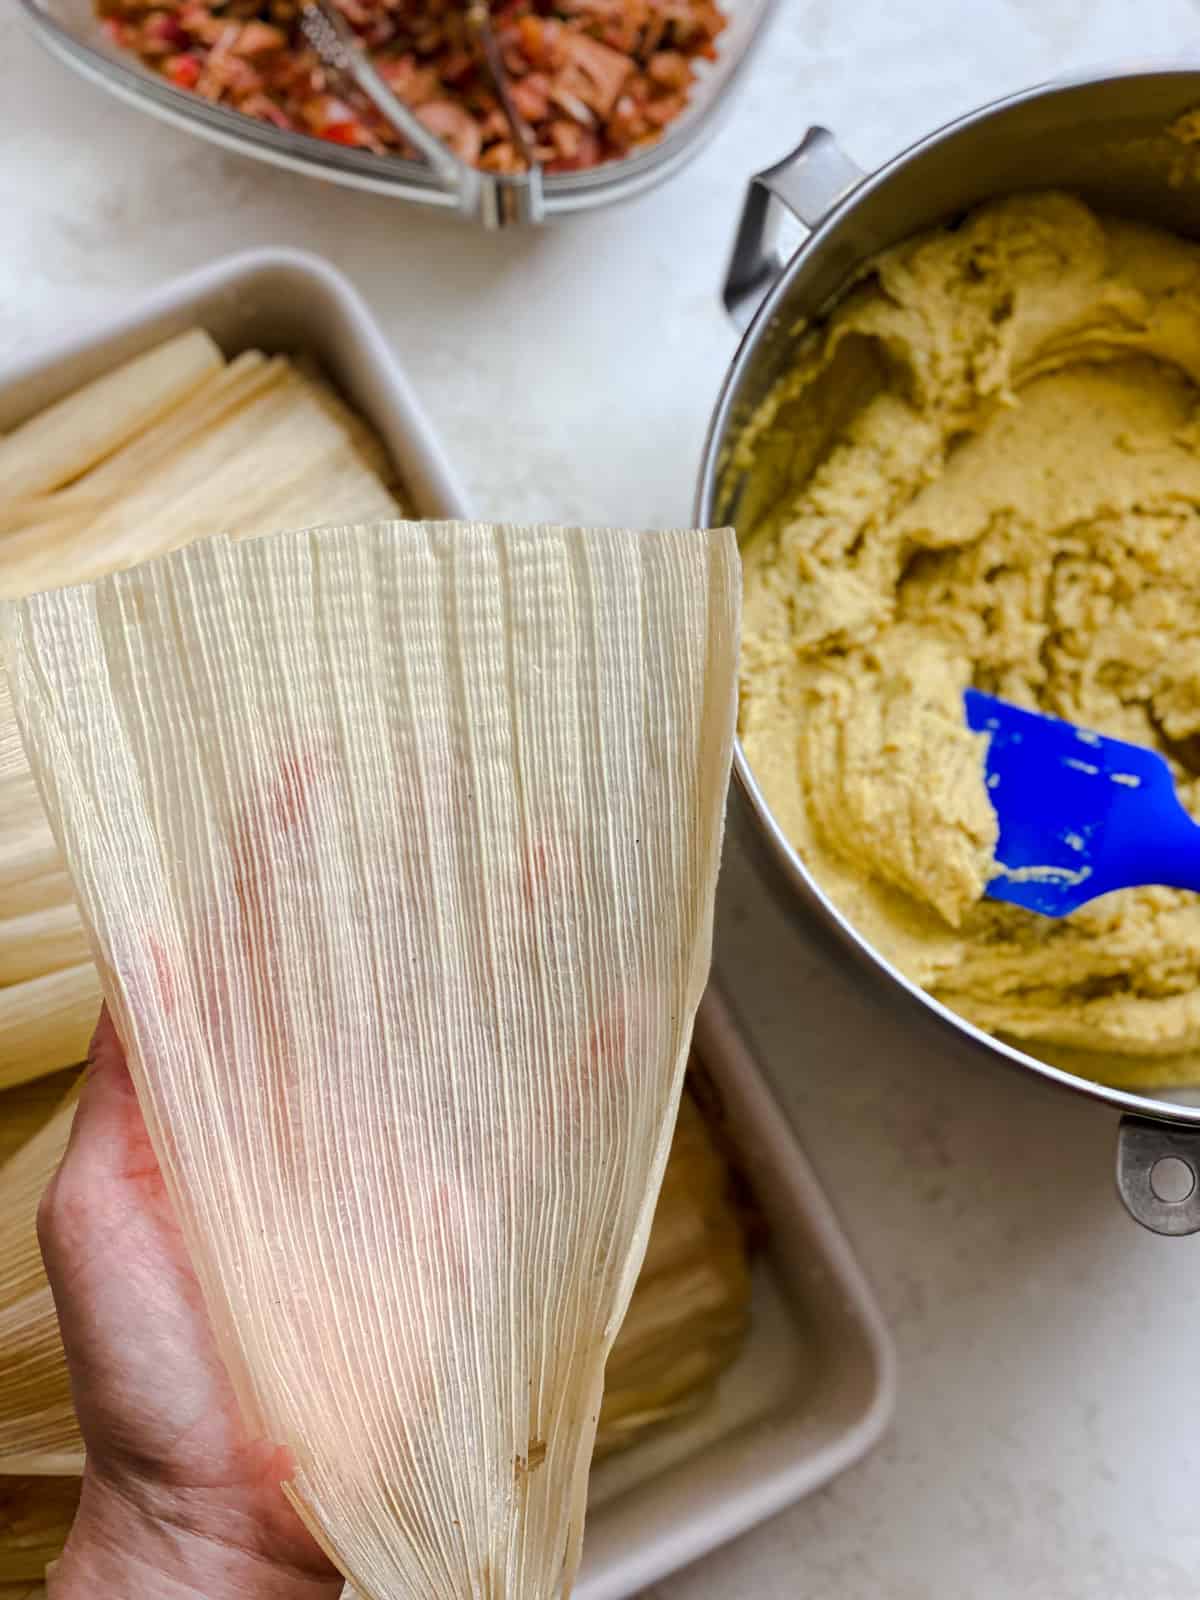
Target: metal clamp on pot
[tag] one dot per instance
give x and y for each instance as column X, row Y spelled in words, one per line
column 1104, row 138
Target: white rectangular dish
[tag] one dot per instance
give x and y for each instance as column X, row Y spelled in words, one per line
column 813, row 1388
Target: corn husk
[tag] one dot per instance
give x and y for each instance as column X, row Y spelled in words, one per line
column 45, row 939
column 49, row 991
column 46, row 1022
column 60, row 443
column 35, row 1518
column 399, row 845
column 31, row 872
column 23, row 1111
column 685, row 1324
column 280, row 453
column 691, row 1307
column 38, row 1431
column 168, row 448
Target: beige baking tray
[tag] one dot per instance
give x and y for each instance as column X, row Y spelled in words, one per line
column 813, row 1388
column 811, row 1392
column 281, row 301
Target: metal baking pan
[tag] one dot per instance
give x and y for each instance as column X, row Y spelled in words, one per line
column 811, row 1392
column 71, row 31
column 813, row 1388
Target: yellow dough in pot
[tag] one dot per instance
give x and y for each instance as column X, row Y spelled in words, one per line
column 985, row 469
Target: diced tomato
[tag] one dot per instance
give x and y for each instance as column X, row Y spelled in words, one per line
column 332, row 119
column 183, row 71
column 350, row 133
column 532, row 36
column 531, row 97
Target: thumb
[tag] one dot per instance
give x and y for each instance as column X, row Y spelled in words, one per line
column 109, row 1161
column 109, row 1134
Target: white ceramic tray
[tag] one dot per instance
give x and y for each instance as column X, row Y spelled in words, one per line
column 811, row 1392
column 281, row 301
column 813, row 1388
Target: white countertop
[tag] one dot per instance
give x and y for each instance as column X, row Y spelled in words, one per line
column 1047, row 1442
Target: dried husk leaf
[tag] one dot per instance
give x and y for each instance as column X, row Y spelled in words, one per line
column 685, row 1324
column 28, row 853
column 399, row 846
column 163, row 450
column 35, row 1518
column 42, row 940
column 47, row 1023
column 23, row 1111
column 38, row 1431
column 282, row 453
column 65, row 440
column 691, row 1307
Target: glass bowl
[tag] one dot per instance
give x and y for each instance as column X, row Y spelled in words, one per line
column 70, row 30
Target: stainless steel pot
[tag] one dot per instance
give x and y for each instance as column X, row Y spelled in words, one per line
column 1104, row 138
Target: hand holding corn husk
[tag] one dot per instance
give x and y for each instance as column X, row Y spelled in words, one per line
column 172, row 447
column 398, row 848
column 127, row 1269
column 178, row 1497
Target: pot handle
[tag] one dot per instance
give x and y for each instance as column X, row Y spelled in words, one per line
column 817, row 176
column 1158, row 1174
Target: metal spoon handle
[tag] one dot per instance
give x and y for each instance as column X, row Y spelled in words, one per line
column 480, row 18
column 336, row 43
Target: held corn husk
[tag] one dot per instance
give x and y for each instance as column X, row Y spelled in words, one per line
column 399, row 847
column 691, row 1307
column 685, row 1323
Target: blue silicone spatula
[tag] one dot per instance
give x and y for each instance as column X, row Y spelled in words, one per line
column 1079, row 814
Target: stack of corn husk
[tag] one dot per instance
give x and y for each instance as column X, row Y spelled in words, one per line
column 147, row 459
column 38, row 1433
column 35, row 1518
column 167, row 447
column 164, row 450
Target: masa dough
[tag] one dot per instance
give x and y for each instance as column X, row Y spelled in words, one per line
column 985, row 469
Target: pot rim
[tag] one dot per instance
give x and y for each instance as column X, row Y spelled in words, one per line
column 799, row 879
